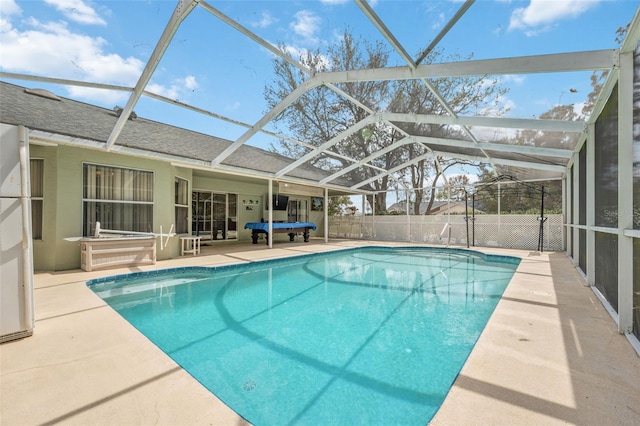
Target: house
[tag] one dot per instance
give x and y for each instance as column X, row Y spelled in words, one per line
column 438, row 207
column 156, row 178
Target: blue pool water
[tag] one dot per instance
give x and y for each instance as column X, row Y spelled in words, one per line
column 360, row 336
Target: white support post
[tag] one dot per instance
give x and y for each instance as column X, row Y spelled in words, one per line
column 270, row 216
column 362, row 219
column 576, row 210
column 373, row 215
column 625, row 193
column 565, row 196
column 591, row 204
column 499, row 211
column 326, row 215
column 406, row 191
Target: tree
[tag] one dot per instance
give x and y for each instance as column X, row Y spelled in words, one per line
column 521, row 201
column 455, row 188
column 339, row 205
column 464, row 95
column 321, row 114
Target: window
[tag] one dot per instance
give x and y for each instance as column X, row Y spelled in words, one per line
column 297, row 211
column 36, row 167
column 182, row 205
column 118, row 198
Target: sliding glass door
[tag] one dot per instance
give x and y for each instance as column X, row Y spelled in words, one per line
column 214, row 215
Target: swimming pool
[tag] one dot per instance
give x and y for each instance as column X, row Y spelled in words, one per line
column 368, row 335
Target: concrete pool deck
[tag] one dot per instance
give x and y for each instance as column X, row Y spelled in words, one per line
column 550, row 354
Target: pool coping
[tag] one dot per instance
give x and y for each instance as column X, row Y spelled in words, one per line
column 550, row 354
column 271, row 261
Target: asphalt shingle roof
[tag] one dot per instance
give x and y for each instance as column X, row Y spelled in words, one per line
column 81, row 120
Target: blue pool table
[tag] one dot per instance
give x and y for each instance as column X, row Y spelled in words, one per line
column 290, row 228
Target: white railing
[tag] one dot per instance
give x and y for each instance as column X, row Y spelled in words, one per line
column 509, row 231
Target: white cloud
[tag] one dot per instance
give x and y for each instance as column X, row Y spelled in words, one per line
column 190, row 82
column 473, row 178
column 233, row 106
column 501, row 107
column 306, row 24
column 577, row 107
column 8, row 8
column 178, row 88
column 170, row 92
column 105, row 97
column 439, row 22
column 300, row 52
column 513, row 78
column 266, row 19
column 50, row 49
column 540, row 15
column 333, row 2
column 78, row 11
column 294, row 51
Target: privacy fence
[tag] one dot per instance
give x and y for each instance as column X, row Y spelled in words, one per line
column 519, row 231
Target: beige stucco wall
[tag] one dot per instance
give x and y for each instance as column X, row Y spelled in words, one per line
column 63, row 201
column 44, row 250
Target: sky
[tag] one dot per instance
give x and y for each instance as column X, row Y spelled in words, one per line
column 211, row 66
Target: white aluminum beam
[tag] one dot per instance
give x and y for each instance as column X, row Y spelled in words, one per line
column 373, row 17
column 362, row 163
column 566, row 214
column 505, row 162
column 603, row 96
column 237, row 123
column 625, row 193
column 350, row 98
column 499, row 147
column 590, row 203
column 181, row 11
column 288, row 100
column 450, row 110
column 195, row 109
column 328, row 144
column 66, row 82
column 632, row 38
column 595, row 60
column 575, row 219
column 398, row 47
column 270, row 47
column 393, row 170
column 502, row 122
column 152, row 95
column 412, row 65
column 463, row 9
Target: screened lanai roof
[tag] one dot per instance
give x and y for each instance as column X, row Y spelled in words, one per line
column 487, row 135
